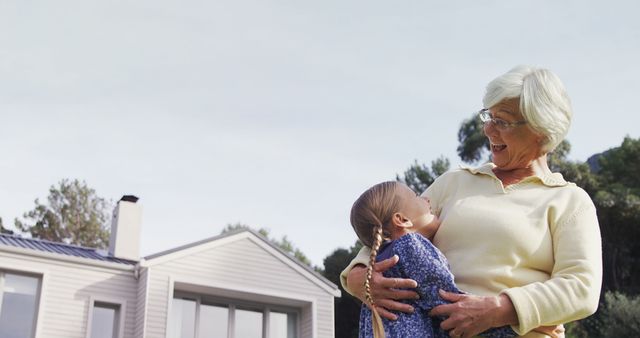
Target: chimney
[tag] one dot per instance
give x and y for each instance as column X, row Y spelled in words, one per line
column 125, row 229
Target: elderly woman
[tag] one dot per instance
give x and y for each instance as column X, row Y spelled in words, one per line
column 521, row 241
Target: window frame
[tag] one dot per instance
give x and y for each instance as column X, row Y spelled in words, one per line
column 33, row 274
column 122, row 309
column 232, row 304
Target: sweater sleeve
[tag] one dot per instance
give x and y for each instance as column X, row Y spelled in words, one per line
column 573, row 290
column 361, row 258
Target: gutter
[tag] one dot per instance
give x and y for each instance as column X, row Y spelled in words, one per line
column 70, row 259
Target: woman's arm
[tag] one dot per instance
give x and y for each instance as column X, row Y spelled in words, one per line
column 384, row 290
column 571, row 293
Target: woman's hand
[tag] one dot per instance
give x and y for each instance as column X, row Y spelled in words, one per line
column 468, row 315
column 385, row 291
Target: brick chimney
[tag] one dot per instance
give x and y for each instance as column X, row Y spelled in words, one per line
column 125, row 229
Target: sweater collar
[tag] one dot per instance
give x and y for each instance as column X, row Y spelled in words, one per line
column 550, row 180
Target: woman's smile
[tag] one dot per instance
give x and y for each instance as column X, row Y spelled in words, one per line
column 495, row 148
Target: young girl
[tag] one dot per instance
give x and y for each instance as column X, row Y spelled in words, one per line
column 392, row 220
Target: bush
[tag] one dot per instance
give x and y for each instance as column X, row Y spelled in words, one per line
column 621, row 315
column 618, row 316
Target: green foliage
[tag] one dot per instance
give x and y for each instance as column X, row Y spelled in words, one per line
column 284, row 243
column 618, row 202
column 621, row 316
column 618, row 316
column 580, row 174
column 577, row 172
column 74, row 214
column 559, row 155
column 418, row 177
column 620, row 165
column 4, row 230
column 576, row 330
column 347, row 307
column 473, row 146
column 240, row 226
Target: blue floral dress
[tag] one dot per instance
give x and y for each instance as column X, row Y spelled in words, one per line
column 421, row 261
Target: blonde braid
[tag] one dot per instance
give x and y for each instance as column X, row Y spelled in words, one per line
column 376, row 321
column 369, row 214
column 377, row 240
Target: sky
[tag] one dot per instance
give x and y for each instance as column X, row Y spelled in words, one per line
column 278, row 114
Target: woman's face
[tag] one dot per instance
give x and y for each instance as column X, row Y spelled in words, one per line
column 515, row 147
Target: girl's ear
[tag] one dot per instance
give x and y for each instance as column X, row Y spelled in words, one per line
column 398, row 220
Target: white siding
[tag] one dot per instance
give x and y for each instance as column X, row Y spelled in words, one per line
column 141, row 307
column 243, row 264
column 67, row 290
column 306, row 326
column 158, row 295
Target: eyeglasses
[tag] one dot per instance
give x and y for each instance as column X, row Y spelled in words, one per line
column 500, row 124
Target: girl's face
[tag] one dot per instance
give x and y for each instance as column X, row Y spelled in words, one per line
column 417, row 210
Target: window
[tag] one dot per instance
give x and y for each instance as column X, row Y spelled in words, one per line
column 18, row 305
column 281, row 325
column 203, row 317
column 213, row 321
column 183, row 316
column 106, row 319
column 247, row 324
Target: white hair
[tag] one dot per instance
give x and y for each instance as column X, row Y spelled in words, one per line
column 544, row 103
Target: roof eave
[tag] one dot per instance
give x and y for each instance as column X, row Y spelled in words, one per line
column 67, row 258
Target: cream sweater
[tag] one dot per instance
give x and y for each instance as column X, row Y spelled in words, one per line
column 538, row 241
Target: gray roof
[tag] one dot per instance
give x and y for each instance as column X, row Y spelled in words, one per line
column 96, row 254
column 257, row 234
column 60, row 248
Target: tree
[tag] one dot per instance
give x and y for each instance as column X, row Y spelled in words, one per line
column 4, row 230
column 284, row 243
column 74, row 214
column 617, row 199
column 580, row 173
column 621, row 164
column 558, row 157
column 347, row 307
column 239, row 226
column 418, row 176
column 473, row 146
column 621, row 316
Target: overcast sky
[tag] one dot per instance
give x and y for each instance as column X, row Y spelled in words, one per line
column 278, row 114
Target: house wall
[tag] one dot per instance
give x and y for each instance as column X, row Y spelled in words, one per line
column 244, row 265
column 66, row 291
column 141, row 308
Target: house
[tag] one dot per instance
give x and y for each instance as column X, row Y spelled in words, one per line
column 236, row 285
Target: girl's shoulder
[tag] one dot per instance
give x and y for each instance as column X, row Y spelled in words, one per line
column 414, row 244
column 411, row 238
